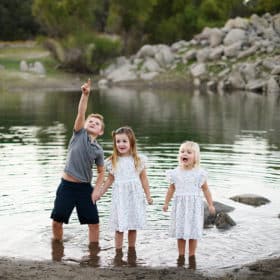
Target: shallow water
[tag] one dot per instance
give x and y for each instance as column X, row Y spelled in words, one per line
column 240, row 147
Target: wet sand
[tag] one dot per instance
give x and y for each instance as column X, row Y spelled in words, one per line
column 11, row 269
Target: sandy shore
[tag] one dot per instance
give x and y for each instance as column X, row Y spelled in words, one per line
column 11, row 269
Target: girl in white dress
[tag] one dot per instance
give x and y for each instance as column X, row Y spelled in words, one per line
column 127, row 174
column 186, row 182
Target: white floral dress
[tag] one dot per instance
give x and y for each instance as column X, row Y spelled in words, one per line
column 187, row 208
column 128, row 207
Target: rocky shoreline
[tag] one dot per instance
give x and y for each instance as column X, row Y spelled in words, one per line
column 242, row 55
column 12, row 269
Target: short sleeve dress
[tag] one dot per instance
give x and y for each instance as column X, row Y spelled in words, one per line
column 128, row 207
column 187, row 208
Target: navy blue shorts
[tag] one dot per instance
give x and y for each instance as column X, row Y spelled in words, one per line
column 70, row 195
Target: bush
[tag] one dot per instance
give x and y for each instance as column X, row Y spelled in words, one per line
column 84, row 52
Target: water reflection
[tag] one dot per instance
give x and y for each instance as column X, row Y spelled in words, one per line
column 156, row 115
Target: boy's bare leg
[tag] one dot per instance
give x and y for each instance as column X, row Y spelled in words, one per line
column 192, row 246
column 132, row 238
column 93, row 233
column 57, row 229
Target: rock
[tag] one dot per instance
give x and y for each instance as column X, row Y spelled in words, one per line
column 273, row 85
column 235, row 80
column 191, row 54
column 202, row 55
column 211, row 86
column 124, row 73
column 257, row 85
column 38, row 68
column 179, row 45
column 216, row 37
column 248, row 71
column 220, row 207
column 198, row 70
column 251, row 199
column 238, row 22
column 164, row 56
column 260, row 24
column 233, row 49
column 224, row 221
column 216, row 53
column 148, row 76
column 248, row 52
column 2, row 67
column 276, row 24
column 269, row 63
column 235, row 35
column 146, row 51
column 122, row 60
column 23, row 66
column 276, row 70
column 150, row 65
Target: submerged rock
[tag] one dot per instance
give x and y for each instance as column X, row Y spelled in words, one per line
column 251, row 199
column 224, row 221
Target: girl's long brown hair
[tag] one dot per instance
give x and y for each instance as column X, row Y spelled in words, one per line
column 133, row 149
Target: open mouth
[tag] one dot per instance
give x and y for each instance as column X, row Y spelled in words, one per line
column 184, row 159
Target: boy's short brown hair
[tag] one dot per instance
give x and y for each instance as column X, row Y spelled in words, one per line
column 97, row 116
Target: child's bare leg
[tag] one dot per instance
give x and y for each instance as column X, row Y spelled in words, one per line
column 132, row 238
column 118, row 239
column 181, row 246
column 192, row 246
column 57, row 229
column 93, row 233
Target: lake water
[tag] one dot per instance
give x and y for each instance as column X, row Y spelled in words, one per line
column 239, row 135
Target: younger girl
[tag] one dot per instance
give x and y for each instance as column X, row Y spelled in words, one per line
column 128, row 175
column 186, row 181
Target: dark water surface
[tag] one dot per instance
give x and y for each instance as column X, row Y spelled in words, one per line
column 239, row 135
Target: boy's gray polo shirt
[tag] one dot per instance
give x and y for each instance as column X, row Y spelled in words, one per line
column 82, row 154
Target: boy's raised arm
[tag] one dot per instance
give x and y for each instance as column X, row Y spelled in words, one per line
column 80, row 119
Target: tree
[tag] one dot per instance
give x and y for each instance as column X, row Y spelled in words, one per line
column 128, row 18
column 62, row 17
column 17, row 23
column 264, row 6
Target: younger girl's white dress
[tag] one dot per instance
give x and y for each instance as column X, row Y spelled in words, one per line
column 128, row 207
column 187, row 214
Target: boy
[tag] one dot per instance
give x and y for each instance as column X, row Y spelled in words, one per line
column 75, row 189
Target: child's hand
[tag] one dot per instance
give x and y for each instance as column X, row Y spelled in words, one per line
column 165, row 207
column 149, row 200
column 86, row 87
column 95, row 196
column 212, row 209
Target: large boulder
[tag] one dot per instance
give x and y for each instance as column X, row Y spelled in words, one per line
column 125, row 73
column 235, row 35
column 251, row 199
column 164, row 56
column 146, row 51
column 238, row 22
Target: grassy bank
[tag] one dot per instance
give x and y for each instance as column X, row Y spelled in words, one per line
column 11, row 78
